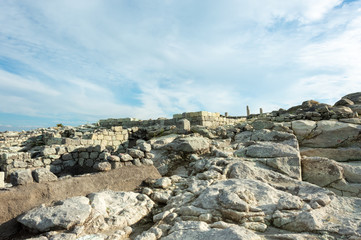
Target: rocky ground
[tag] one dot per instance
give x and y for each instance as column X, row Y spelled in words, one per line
column 256, row 180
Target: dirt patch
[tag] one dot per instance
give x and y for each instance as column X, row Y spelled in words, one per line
column 17, row 200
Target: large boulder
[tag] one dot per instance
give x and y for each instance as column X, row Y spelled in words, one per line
column 44, row 175
column 189, row 145
column 321, row 171
column 354, row 97
column 327, row 134
column 63, row 215
column 21, row 177
column 119, row 209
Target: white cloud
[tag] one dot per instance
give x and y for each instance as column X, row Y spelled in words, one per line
column 115, row 59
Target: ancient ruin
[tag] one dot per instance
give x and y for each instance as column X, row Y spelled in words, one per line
column 287, row 174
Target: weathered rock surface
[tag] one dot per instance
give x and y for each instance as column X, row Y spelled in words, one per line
column 43, row 175
column 327, row 134
column 63, row 215
column 189, row 145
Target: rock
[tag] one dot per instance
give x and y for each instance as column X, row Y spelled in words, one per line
column 356, row 108
column 200, row 230
column 189, row 145
column 43, row 175
column 262, row 124
column 351, row 171
column 2, row 177
column 63, row 236
column 320, row 171
column 160, row 142
column 21, row 177
column 135, row 153
column 120, row 209
column 102, row 166
column 113, row 158
column 344, row 102
column 63, row 215
column 183, row 126
column 271, row 150
column 354, row 97
column 145, row 147
column 125, row 157
column 338, row 154
column 161, row 197
column 303, row 128
column 331, row 134
column 163, row 182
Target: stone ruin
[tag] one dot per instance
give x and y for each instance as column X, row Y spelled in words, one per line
column 287, row 174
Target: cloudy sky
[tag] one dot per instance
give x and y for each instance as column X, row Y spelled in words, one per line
column 73, row 62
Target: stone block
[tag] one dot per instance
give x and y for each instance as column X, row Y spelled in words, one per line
column 21, row 177
column 94, row 155
column 2, row 178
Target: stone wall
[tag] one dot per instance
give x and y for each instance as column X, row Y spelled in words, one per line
column 202, row 118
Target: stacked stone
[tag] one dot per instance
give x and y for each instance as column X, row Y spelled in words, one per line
column 138, row 155
column 207, row 119
column 110, row 137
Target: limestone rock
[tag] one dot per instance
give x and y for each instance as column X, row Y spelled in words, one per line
column 63, row 215
column 135, row 153
column 163, row 182
column 125, row 157
column 193, row 230
column 338, row 154
column 320, row 171
column 330, row 134
column 21, row 177
column 120, row 209
column 189, row 145
column 271, row 150
column 102, row 166
column 43, row 175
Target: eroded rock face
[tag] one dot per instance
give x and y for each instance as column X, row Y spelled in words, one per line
column 327, row 134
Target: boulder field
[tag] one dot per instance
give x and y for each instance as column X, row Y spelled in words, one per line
column 255, row 179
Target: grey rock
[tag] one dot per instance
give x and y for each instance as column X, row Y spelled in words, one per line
column 63, row 215
column 125, row 157
column 113, row 158
column 271, row 150
column 321, row 171
column 120, row 209
column 145, row 147
column 164, row 182
column 135, row 153
column 43, row 175
column 102, row 166
column 189, row 145
column 21, row 177
column 192, row 230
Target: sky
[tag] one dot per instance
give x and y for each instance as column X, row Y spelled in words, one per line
column 75, row 62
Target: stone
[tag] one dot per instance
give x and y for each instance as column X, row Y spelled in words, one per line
column 135, row 153
column 164, row 182
column 201, row 230
column 183, row 126
column 2, row 179
column 94, row 155
column 43, row 175
column 344, row 102
column 338, row 154
column 145, row 147
column 354, row 97
column 21, row 177
column 320, row 171
column 331, row 134
column 189, row 145
column 351, row 171
column 63, row 236
column 63, row 215
column 102, row 166
column 161, row 197
column 120, row 209
column 271, row 150
column 303, row 128
column 113, row 158
column 125, row 157
column 67, row 156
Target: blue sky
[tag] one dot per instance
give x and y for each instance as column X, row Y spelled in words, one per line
column 75, row 62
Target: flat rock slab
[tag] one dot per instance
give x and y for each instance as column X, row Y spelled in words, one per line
column 63, row 215
column 20, row 199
